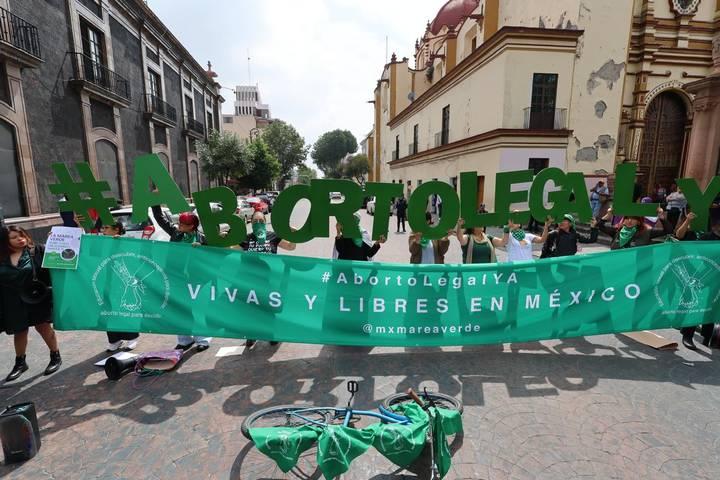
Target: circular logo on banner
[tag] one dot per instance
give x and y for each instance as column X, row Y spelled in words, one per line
column 338, row 446
column 284, row 445
column 397, row 439
column 685, row 285
column 127, row 282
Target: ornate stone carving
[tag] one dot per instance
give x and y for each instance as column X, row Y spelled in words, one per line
column 684, row 7
column 705, row 104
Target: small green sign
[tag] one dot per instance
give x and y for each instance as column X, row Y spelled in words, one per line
column 62, row 250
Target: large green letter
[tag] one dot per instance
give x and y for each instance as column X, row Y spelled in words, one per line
column 569, row 183
column 418, row 206
column 699, row 202
column 505, row 197
column 384, row 194
column 323, row 209
column 211, row 220
column 282, row 210
column 624, row 189
column 149, row 170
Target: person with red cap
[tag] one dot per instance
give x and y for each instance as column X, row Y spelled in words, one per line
column 187, row 231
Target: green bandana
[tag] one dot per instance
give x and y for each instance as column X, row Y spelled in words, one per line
column 570, row 219
column 424, row 242
column 357, row 241
column 260, row 231
column 519, row 235
column 190, row 237
column 625, row 235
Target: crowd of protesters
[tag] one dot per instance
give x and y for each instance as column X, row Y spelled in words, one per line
column 26, row 300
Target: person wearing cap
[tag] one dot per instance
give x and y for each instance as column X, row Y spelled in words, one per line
column 563, row 242
column 187, row 231
column 518, row 243
column 685, row 233
column 355, row 248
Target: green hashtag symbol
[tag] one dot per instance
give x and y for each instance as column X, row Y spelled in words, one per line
column 84, row 195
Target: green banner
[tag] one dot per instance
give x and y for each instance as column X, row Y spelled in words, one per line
column 173, row 288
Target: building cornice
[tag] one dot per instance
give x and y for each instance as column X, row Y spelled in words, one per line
column 503, row 37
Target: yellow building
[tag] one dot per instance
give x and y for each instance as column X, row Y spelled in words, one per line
column 501, row 85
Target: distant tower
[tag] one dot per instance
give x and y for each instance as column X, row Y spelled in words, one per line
column 248, row 102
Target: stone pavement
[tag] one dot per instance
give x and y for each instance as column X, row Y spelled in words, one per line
column 598, row 407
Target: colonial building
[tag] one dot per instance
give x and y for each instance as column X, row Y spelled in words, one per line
column 501, row 85
column 250, row 116
column 101, row 81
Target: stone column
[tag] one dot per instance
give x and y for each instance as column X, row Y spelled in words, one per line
column 704, row 149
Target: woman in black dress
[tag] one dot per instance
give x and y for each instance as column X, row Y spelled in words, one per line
column 23, row 301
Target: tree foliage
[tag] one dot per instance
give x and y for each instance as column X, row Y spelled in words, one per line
column 357, row 168
column 330, row 148
column 286, row 144
column 305, row 174
column 223, row 157
column 264, row 166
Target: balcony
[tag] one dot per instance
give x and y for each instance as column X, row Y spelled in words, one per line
column 19, row 40
column 549, row 119
column 159, row 111
column 99, row 80
column 194, row 129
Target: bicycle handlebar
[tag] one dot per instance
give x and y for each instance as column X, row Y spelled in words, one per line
column 411, row 393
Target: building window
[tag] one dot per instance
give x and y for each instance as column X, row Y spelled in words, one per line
column 189, row 108
column 473, row 44
column 93, row 43
column 538, row 164
column 155, row 84
column 102, row 115
column 93, row 6
column 415, row 139
column 108, row 167
column 194, row 176
column 542, row 102
column 445, row 132
column 193, row 146
column 186, row 84
column 160, row 135
column 152, row 55
column 419, row 182
column 4, row 85
column 227, row 119
column 396, row 153
column 209, row 122
column 11, row 195
column 454, row 182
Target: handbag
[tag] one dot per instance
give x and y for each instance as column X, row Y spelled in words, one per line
column 35, row 291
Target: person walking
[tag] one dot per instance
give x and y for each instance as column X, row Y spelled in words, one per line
column 597, row 194
column 426, row 251
column 476, row 245
column 25, row 297
column 355, row 248
column 401, row 212
column 563, row 241
column 262, row 241
column 519, row 243
column 186, row 231
column 676, row 206
column 685, row 233
column 117, row 340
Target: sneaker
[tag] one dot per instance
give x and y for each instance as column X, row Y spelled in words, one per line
column 131, row 345
column 184, row 348
column 201, row 347
column 114, row 347
column 250, row 343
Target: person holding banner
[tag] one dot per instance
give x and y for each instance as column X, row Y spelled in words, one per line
column 25, row 297
column 116, row 340
column 426, row 251
column 355, row 248
column 685, row 233
column 262, row 241
column 476, row 245
column 563, row 242
column 519, row 243
column 187, row 231
column 630, row 232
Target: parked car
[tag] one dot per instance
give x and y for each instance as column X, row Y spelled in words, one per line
column 258, row 205
column 148, row 229
column 268, row 200
column 244, row 210
column 214, row 207
column 370, row 206
column 273, row 193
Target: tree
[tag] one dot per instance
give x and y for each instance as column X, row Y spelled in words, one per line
column 357, row 168
column 305, row 174
column 286, row 144
column 264, row 166
column 223, row 157
column 330, row 148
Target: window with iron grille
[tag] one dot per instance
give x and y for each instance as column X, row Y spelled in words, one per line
column 445, row 132
column 189, row 108
column 415, row 138
column 160, row 135
column 155, row 84
column 538, row 164
column 542, row 101
column 93, row 42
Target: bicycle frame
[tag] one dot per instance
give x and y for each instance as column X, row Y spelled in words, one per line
column 347, row 414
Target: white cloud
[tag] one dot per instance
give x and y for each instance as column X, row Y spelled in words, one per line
column 316, row 61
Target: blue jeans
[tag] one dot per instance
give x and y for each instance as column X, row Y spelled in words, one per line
column 595, row 207
column 187, row 340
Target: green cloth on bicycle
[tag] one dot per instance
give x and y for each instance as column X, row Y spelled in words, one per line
column 402, row 444
column 285, row 444
column 338, row 446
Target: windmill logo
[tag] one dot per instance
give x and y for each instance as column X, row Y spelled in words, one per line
column 131, row 283
column 285, row 444
column 688, row 284
column 397, row 439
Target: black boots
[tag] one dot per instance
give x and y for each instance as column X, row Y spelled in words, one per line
column 20, row 367
column 55, row 362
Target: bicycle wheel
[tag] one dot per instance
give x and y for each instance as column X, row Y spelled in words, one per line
column 440, row 399
column 281, row 416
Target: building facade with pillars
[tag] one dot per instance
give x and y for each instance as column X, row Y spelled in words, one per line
column 500, row 85
column 97, row 81
column 250, row 115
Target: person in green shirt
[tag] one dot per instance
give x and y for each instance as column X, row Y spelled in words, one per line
column 476, row 245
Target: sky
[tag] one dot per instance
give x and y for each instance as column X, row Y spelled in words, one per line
column 316, row 61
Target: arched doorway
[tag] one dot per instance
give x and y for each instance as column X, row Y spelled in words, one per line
column 108, row 166
column 165, row 160
column 663, row 142
column 194, row 177
column 11, row 197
